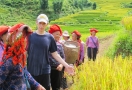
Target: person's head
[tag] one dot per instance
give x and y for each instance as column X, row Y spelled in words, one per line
column 66, row 35
column 42, row 21
column 3, row 33
column 93, row 31
column 56, row 31
column 76, row 35
column 15, row 46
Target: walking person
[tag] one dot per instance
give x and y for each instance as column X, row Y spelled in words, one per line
column 40, row 44
column 3, row 37
column 92, row 44
column 65, row 36
column 76, row 35
column 56, row 67
column 13, row 72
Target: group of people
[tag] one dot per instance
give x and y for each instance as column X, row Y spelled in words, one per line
column 36, row 59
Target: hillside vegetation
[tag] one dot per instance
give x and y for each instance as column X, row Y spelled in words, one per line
column 107, row 18
column 26, row 11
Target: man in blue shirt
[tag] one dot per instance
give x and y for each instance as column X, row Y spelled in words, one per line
column 40, row 44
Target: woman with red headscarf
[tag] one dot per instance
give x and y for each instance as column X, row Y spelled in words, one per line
column 92, row 44
column 56, row 67
column 3, row 36
column 76, row 35
column 13, row 72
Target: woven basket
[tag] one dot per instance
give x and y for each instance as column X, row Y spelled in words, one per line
column 71, row 50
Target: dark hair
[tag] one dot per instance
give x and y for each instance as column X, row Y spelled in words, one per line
column 68, row 37
column 78, row 37
column 25, row 30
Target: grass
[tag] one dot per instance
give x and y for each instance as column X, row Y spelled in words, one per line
column 104, row 74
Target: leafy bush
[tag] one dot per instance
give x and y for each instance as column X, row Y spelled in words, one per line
column 121, row 45
column 127, row 5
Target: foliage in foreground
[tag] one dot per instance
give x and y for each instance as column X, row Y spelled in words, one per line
column 104, row 74
column 123, row 41
column 121, row 45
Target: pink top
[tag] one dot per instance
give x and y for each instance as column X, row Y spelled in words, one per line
column 81, row 51
column 89, row 42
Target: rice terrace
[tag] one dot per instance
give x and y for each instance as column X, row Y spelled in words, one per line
column 113, row 19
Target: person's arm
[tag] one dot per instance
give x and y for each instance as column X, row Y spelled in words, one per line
column 81, row 52
column 56, row 56
column 5, row 69
column 33, row 82
column 87, row 41
column 68, row 68
column 61, row 51
column 97, row 45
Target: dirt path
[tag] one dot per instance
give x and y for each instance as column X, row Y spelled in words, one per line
column 104, row 45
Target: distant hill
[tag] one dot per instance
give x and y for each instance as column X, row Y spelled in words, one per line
column 106, row 18
column 13, row 11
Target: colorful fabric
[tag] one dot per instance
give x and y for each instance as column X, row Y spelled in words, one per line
column 81, row 56
column 89, row 42
column 15, row 27
column 15, row 47
column 55, row 28
column 1, row 50
column 60, row 51
column 93, row 29
column 3, row 29
column 77, row 33
column 11, row 78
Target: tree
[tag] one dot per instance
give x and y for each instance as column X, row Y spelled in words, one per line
column 94, row 6
column 57, row 6
column 44, row 4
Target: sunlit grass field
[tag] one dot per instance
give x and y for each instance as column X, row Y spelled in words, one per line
column 104, row 74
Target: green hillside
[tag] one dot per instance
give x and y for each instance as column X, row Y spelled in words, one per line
column 14, row 11
column 106, row 18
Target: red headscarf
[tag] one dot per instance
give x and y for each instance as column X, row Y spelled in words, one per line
column 93, row 29
column 3, row 29
column 79, row 41
column 15, row 47
column 55, row 28
column 77, row 33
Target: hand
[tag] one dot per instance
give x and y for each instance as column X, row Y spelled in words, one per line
column 70, row 70
column 59, row 67
column 97, row 52
column 40, row 87
column 80, row 61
